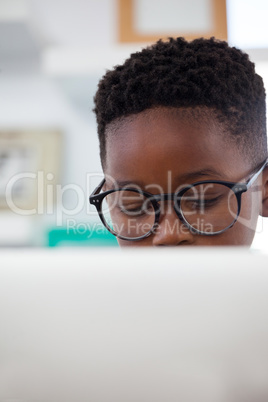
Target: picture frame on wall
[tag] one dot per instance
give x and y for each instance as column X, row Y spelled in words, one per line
column 30, row 162
column 150, row 20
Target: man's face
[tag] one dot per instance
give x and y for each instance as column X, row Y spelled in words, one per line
column 163, row 149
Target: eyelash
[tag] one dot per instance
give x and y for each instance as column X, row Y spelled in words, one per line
column 140, row 209
column 208, row 203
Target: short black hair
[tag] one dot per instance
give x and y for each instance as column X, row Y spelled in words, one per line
column 177, row 73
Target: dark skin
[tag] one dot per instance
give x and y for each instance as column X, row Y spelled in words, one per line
column 143, row 148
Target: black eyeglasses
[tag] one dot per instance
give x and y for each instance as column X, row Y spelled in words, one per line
column 208, row 207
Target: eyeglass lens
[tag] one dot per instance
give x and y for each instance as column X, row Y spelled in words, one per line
column 128, row 214
column 210, row 207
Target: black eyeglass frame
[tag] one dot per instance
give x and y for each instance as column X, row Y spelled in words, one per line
column 96, row 199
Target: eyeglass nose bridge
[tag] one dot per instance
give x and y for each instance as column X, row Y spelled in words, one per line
column 175, row 198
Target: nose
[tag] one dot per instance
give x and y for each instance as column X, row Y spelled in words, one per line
column 172, row 232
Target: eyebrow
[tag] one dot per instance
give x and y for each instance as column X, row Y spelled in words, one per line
column 185, row 178
column 198, row 174
column 127, row 183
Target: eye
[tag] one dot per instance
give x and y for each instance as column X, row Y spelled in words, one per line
column 131, row 208
column 208, row 202
column 201, row 203
column 136, row 209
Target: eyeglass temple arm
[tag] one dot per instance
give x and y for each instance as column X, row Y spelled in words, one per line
column 98, row 188
column 254, row 177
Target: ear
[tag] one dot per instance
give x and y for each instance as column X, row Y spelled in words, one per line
column 264, row 209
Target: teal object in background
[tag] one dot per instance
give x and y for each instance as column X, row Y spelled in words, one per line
column 72, row 238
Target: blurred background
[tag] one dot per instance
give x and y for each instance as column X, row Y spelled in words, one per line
column 52, row 55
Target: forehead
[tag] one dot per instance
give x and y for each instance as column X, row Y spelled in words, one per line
column 144, row 147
